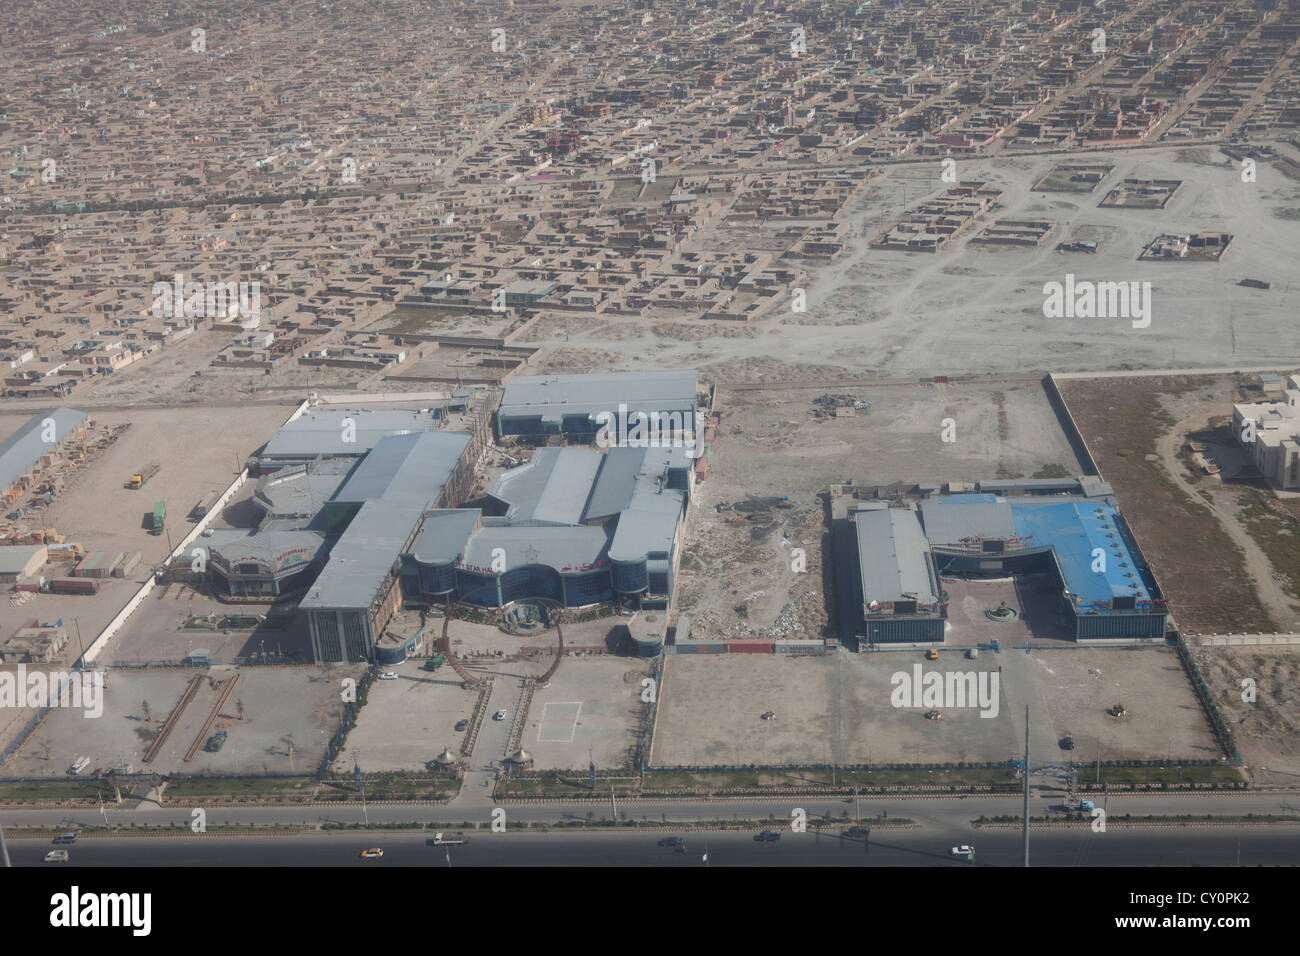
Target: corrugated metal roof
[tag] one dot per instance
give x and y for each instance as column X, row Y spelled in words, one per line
column 552, row 488
column 445, row 533
column 413, row 467
column 302, row 492
column 949, row 520
column 564, row 549
column 363, row 556
column 625, row 472
column 321, row 431
column 20, row 450
column 1074, row 529
column 894, row 557
column 552, row 396
column 236, row 544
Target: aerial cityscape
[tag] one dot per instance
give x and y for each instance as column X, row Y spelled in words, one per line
column 703, row 433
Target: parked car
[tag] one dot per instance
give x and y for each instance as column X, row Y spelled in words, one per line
column 768, row 836
column 462, row 724
column 672, row 841
column 372, row 854
column 388, row 675
column 57, row 856
column 499, row 715
column 859, row 832
column 65, row 838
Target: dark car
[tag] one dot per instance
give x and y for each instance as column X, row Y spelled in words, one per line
column 672, row 841
column 858, row 832
column 1067, row 743
column 462, row 724
column 768, row 836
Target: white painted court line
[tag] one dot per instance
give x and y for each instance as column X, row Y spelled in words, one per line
column 573, row 721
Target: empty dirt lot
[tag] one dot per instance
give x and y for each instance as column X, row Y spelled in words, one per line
column 284, row 708
column 838, row 709
column 1267, row 730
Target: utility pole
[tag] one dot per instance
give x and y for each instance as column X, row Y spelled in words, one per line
column 1024, row 825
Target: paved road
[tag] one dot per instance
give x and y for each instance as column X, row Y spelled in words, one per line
column 948, row 817
column 1276, row 846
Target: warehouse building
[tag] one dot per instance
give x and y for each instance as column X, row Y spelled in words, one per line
column 1106, row 588
column 323, row 433
column 571, row 526
column 24, row 453
column 538, row 406
column 380, row 509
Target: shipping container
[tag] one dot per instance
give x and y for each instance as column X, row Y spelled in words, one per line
column 751, row 647
column 74, row 586
column 127, row 566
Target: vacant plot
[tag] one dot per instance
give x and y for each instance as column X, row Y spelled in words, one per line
column 1266, row 728
column 408, row 721
column 590, row 711
column 289, row 716
column 838, row 709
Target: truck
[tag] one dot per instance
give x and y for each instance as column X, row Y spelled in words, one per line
column 1076, row 805
column 449, row 839
column 215, row 742
column 142, row 476
column 159, row 516
column 200, row 510
column 73, row 585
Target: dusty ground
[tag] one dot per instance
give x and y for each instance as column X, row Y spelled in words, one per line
column 973, row 308
column 770, row 445
column 838, row 708
column 199, row 450
column 284, row 707
column 1267, row 729
column 1219, row 570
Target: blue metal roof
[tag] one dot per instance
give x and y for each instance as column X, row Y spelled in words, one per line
column 1075, row 529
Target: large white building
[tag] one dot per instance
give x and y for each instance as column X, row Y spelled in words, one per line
column 1275, row 430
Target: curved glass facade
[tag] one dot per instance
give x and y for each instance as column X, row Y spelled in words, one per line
column 630, row 577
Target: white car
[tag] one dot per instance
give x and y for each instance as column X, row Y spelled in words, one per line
column 388, row 675
column 499, row 715
column 963, row 850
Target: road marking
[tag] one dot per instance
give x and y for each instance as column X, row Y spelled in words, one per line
column 573, row 721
